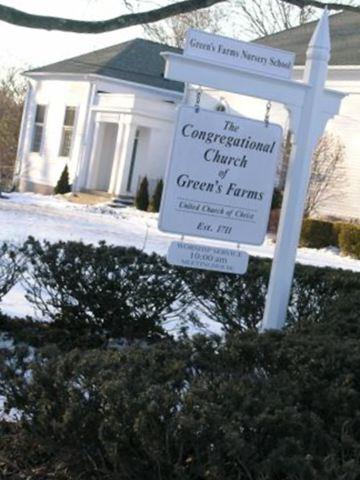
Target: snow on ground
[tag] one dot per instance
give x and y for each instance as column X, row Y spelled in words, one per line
column 55, row 218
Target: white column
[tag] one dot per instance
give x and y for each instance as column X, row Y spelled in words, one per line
column 308, row 124
column 86, row 143
column 22, row 135
column 90, row 169
column 115, row 173
column 28, row 127
column 125, row 160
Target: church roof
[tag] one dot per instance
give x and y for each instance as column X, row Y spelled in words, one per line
column 136, row 61
column 345, row 39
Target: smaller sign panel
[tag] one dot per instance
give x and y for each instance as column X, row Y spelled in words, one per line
column 237, row 54
column 220, row 177
column 204, row 257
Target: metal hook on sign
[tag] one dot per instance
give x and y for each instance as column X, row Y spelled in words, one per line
column 221, row 106
column 197, row 101
column 267, row 113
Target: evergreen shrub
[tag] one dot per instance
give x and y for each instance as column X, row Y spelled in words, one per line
column 155, row 201
column 121, row 292
column 316, row 292
column 337, row 226
column 11, row 267
column 271, row 406
column 108, row 290
column 349, row 240
column 317, row 234
column 63, row 184
column 142, row 195
column 235, row 301
column 277, row 199
column 34, row 334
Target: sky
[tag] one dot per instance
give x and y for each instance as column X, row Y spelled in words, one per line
column 23, row 48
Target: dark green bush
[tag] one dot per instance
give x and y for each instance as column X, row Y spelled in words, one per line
column 277, row 199
column 275, row 406
column 349, row 240
column 316, row 291
column 97, row 293
column 23, row 458
column 107, row 290
column 235, row 301
column 63, row 184
column 337, row 226
column 35, row 334
column 155, row 201
column 11, row 267
column 142, row 195
column 317, row 234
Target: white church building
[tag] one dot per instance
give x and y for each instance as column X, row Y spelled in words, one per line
column 109, row 115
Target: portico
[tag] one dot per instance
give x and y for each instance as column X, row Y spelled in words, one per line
column 127, row 133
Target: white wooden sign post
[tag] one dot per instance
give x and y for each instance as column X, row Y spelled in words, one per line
column 310, row 106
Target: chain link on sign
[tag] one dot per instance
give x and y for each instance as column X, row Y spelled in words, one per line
column 267, row 113
column 197, row 101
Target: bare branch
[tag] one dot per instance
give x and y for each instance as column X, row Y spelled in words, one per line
column 329, row 5
column 326, row 173
column 280, row 15
column 24, row 19
column 172, row 31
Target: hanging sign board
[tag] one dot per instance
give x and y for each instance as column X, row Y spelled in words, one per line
column 237, row 54
column 224, row 260
column 220, row 177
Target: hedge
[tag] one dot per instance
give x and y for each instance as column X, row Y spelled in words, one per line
column 11, row 267
column 270, row 406
column 238, row 302
column 97, row 293
column 349, row 240
column 320, row 234
column 105, row 290
column 317, row 234
column 275, row 406
column 235, row 301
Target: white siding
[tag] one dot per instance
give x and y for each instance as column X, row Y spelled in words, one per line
column 345, row 202
column 46, row 167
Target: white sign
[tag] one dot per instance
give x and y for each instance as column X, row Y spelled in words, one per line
column 310, row 106
column 220, row 177
column 237, row 54
column 207, row 258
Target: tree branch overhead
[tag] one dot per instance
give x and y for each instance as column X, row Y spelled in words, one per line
column 24, row 19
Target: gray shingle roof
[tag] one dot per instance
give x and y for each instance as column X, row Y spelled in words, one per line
column 345, row 39
column 136, row 61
